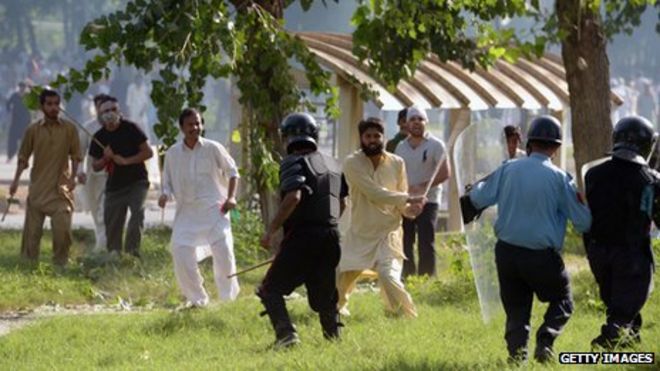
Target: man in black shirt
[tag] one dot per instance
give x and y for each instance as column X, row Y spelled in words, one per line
column 623, row 195
column 123, row 156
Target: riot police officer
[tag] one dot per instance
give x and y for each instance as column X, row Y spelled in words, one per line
column 622, row 194
column 534, row 200
column 309, row 253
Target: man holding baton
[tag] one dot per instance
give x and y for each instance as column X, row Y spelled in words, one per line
column 309, row 253
column 427, row 167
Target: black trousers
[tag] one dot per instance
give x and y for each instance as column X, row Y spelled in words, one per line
column 624, row 277
column 523, row 272
column 307, row 256
column 117, row 204
column 424, row 227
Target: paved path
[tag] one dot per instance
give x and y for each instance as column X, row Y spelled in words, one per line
column 15, row 218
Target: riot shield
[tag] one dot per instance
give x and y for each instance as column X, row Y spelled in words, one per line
column 477, row 152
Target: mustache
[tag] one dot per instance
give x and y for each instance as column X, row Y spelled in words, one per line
column 372, row 149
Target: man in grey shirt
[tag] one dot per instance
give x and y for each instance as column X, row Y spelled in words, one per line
column 422, row 153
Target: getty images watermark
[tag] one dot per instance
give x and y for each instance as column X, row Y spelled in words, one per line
column 607, row 358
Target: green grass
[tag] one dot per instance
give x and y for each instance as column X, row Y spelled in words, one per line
column 448, row 334
column 102, row 279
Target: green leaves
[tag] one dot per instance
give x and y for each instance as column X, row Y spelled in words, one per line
column 391, row 35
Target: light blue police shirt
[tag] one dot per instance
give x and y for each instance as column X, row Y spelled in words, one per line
column 534, row 199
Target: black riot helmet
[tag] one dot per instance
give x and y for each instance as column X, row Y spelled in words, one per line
column 299, row 130
column 546, row 129
column 633, row 139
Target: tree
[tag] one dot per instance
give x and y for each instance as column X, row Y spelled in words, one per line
column 188, row 41
column 394, row 36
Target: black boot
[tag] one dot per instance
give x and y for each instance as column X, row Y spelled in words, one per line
column 285, row 332
column 330, row 324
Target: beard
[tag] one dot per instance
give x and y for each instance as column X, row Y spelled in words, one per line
column 372, row 150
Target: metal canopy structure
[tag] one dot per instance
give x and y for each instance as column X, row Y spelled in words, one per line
column 526, row 84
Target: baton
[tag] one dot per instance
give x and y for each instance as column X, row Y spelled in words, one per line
column 435, row 173
column 82, row 127
column 265, row 262
column 10, row 200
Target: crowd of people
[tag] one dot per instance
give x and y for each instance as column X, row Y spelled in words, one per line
column 391, row 191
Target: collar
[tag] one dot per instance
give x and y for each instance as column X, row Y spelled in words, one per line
column 539, row 156
column 200, row 143
column 46, row 121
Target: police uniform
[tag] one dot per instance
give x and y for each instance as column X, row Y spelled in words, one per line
column 622, row 193
column 309, row 252
column 534, row 200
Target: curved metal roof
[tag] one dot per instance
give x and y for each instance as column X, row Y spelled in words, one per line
column 528, row 84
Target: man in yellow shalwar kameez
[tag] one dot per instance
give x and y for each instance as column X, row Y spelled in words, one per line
column 378, row 193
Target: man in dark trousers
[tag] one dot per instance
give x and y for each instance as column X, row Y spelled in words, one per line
column 622, row 194
column 309, row 253
column 126, row 149
column 534, row 198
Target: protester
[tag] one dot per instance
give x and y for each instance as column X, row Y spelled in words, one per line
column 402, row 122
column 426, row 162
column 309, row 253
column 20, row 118
column 51, row 142
column 378, row 194
column 92, row 189
column 513, row 139
column 534, row 198
column 195, row 173
column 126, row 149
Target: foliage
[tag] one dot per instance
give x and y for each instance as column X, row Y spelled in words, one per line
column 395, row 36
column 246, row 225
column 187, row 42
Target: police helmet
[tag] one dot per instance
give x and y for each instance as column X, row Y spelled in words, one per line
column 544, row 128
column 299, row 129
column 633, row 139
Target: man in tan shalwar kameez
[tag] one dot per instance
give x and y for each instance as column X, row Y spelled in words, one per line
column 51, row 141
column 378, row 193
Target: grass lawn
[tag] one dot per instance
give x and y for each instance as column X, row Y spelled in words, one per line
column 448, row 334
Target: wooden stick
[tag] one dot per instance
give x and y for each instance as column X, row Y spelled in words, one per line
column 10, row 200
column 265, row 262
column 81, row 126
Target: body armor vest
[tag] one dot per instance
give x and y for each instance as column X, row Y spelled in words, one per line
column 319, row 179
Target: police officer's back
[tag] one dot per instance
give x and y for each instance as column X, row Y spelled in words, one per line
column 309, row 253
column 535, row 199
column 621, row 193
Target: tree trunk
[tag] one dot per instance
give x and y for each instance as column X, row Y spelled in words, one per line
column 15, row 13
column 588, row 75
column 31, row 36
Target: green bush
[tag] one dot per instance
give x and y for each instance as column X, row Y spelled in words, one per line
column 247, row 228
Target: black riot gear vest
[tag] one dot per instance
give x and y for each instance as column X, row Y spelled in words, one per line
column 624, row 198
column 319, row 179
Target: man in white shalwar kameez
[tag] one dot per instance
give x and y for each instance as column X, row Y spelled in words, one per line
column 90, row 197
column 378, row 189
column 194, row 173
